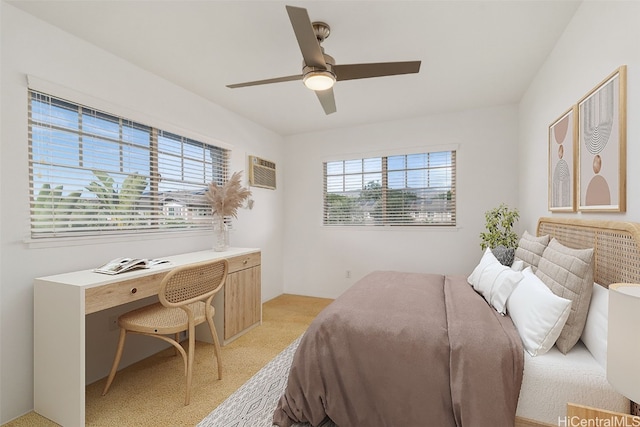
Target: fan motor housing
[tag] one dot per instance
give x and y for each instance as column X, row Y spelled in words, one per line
column 328, row 59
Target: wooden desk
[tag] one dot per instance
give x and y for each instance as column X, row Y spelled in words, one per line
column 61, row 303
column 580, row 415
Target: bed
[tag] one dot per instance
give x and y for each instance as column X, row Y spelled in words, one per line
column 441, row 353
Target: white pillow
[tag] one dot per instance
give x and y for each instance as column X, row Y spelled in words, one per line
column 594, row 335
column 538, row 313
column 494, row 281
column 518, row 265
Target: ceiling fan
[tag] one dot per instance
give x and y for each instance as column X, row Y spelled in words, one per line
column 319, row 70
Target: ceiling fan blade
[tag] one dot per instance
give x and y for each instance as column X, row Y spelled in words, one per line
column 267, row 81
column 327, row 100
column 376, row 69
column 307, row 41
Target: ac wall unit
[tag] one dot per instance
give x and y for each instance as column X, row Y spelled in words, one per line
column 262, row 173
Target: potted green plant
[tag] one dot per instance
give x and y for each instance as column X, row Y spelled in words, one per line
column 499, row 232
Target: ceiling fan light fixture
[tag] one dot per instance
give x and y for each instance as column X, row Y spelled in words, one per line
column 319, row 70
column 319, row 80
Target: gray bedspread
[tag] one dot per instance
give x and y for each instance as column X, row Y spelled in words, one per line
column 406, row 349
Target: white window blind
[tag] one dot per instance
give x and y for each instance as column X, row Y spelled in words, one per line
column 409, row 190
column 94, row 173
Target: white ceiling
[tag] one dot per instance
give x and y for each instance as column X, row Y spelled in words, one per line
column 474, row 53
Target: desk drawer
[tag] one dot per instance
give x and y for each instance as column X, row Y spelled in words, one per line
column 114, row 294
column 243, row 261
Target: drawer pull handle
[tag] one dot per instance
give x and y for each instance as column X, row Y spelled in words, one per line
column 245, row 261
column 134, row 290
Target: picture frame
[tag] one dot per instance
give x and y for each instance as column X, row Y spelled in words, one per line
column 563, row 138
column 602, row 145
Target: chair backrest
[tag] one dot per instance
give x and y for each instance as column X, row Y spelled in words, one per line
column 195, row 282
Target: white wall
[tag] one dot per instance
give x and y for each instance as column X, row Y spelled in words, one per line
column 602, row 36
column 1, row 221
column 317, row 257
column 30, row 46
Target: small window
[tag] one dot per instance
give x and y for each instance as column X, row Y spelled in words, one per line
column 93, row 173
column 409, row 190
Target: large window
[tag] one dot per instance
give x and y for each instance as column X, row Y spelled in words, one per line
column 95, row 173
column 412, row 189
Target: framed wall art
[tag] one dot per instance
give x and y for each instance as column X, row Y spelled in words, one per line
column 563, row 136
column 602, row 145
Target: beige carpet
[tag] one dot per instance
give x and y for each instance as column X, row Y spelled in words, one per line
column 151, row 392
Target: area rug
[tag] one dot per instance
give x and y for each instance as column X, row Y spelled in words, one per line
column 252, row 405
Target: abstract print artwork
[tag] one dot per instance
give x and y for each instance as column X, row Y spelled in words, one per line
column 602, row 145
column 562, row 140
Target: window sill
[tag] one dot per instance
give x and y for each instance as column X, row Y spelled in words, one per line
column 70, row 241
column 413, row 228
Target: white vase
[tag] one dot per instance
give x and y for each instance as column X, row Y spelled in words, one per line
column 220, row 234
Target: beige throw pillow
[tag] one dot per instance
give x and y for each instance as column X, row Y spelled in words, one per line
column 530, row 249
column 569, row 274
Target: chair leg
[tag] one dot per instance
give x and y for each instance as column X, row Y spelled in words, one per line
column 216, row 345
column 116, row 360
column 190, row 356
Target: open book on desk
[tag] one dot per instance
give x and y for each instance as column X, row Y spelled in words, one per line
column 120, row 265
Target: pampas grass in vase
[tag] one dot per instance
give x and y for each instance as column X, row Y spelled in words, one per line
column 225, row 200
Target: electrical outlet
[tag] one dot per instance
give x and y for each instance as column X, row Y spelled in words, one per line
column 113, row 323
column 347, row 274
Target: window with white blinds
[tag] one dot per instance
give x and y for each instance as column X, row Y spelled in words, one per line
column 93, row 173
column 409, row 190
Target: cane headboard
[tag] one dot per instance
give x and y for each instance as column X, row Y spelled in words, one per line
column 616, row 245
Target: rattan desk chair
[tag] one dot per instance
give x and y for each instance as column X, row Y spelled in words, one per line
column 186, row 294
